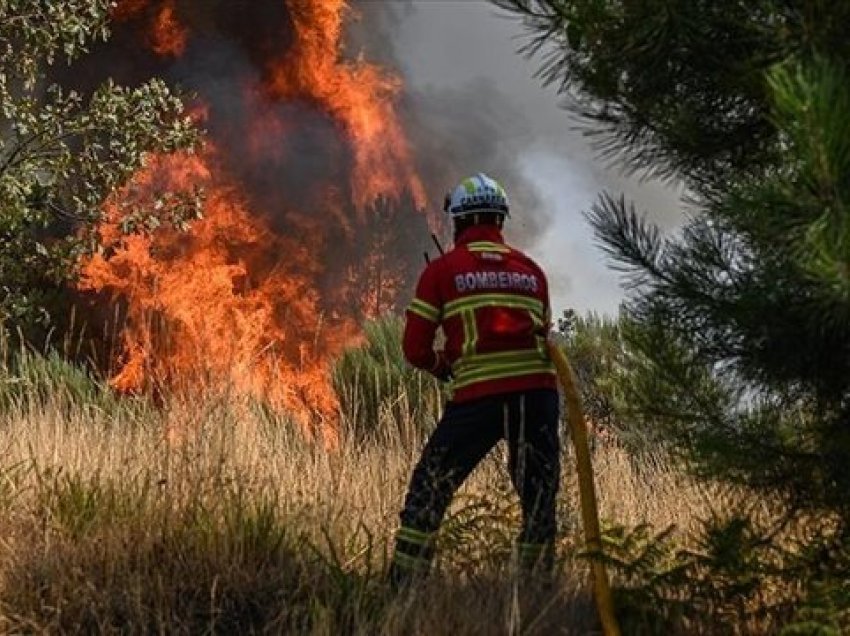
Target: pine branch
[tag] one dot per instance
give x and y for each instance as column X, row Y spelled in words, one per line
column 632, row 243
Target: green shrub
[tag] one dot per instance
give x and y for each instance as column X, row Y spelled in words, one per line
column 379, row 392
column 29, row 378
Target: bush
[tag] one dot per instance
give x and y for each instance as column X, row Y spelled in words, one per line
column 379, row 392
column 31, row 378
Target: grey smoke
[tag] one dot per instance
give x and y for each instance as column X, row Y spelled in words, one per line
column 473, row 104
column 470, row 103
column 286, row 154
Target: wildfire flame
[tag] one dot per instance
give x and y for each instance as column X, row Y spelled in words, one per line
column 169, row 35
column 237, row 302
column 360, row 95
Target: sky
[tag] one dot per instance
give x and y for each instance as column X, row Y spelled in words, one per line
column 445, row 46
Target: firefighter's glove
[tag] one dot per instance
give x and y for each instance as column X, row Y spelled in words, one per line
column 441, row 370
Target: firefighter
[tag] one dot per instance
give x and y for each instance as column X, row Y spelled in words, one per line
column 492, row 303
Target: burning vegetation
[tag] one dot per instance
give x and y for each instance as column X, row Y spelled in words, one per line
column 307, row 173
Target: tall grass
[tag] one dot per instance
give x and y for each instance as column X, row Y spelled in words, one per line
column 214, row 515
column 380, row 393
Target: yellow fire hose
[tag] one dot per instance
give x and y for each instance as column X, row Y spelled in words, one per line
column 587, row 492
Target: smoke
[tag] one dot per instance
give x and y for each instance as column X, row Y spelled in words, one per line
column 457, row 127
column 472, row 103
column 291, row 158
column 469, row 104
column 462, row 130
column 225, row 60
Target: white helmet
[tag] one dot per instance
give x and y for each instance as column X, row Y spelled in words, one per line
column 477, row 194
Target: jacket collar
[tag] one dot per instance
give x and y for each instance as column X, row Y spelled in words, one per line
column 475, row 233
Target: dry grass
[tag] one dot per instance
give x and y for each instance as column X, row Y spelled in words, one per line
column 216, row 517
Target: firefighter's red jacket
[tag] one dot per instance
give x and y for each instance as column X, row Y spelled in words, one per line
column 492, row 302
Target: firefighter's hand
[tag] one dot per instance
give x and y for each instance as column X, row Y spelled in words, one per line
column 445, row 376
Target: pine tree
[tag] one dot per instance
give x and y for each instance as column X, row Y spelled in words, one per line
column 740, row 322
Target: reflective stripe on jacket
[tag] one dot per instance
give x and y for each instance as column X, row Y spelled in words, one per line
column 492, row 302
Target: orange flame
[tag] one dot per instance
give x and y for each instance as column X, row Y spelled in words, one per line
column 169, row 36
column 359, row 95
column 234, row 303
column 217, row 306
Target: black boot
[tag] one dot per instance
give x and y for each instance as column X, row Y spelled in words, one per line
column 411, row 558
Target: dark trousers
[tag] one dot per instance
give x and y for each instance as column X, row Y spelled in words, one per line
column 528, row 420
